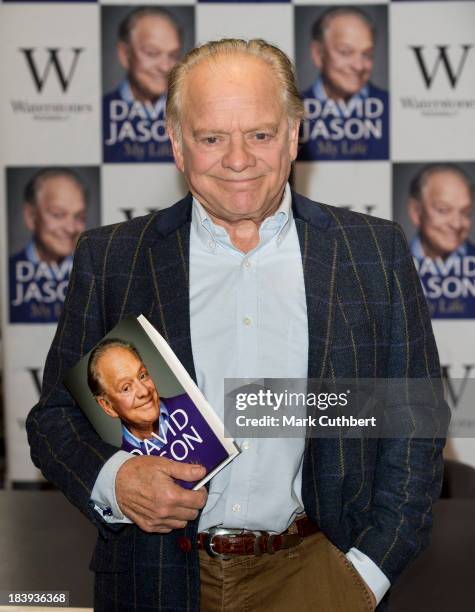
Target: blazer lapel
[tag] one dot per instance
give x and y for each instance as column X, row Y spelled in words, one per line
column 319, row 249
column 168, row 258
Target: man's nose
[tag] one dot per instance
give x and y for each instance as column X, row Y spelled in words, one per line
column 456, row 221
column 165, row 64
column 71, row 227
column 142, row 388
column 238, row 156
column 358, row 63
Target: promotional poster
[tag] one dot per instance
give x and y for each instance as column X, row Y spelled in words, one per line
column 434, row 204
column 341, row 58
column 140, row 46
column 48, row 209
column 364, row 188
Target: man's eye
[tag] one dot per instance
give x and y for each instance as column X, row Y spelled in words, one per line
column 126, row 389
column 210, row 140
column 144, row 376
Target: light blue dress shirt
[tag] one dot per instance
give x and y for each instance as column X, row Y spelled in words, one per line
column 125, row 92
column 320, row 94
column 418, row 252
column 248, row 319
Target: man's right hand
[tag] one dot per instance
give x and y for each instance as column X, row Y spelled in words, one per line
column 147, row 493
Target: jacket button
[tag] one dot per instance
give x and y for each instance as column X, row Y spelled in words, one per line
column 184, row 544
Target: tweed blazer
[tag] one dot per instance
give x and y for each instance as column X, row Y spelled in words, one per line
column 367, row 317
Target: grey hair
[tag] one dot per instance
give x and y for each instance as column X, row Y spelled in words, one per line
column 277, row 60
column 93, row 377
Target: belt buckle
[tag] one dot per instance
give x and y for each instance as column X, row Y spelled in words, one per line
column 217, row 531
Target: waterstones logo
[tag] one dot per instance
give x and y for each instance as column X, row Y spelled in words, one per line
column 456, row 390
column 51, row 70
column 53, row 63
column 452, row 67
column 442, row 65
column 130, row 213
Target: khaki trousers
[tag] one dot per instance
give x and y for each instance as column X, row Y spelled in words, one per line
column 312, row 577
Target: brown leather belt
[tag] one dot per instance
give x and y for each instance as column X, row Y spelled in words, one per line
column 225, row 543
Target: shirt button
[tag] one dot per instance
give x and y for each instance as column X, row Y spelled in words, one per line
column 211, row 244
column 279, row 240
column 236, row 507
column 245, row 445
column 247, row 263
column 247, row 321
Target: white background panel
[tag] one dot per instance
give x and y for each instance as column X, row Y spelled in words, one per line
column 345, row 2
column 273, row 22
column 456, row 344
column 144, row 2
column 26, row 346
column 139, row 188
column 50, row 136
column 417, row 133
column 363, row 186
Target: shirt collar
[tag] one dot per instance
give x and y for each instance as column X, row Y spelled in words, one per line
column 274, row 227
column 418, row 251
column 125, row 92
column 32, row 254
column 138, row 442
column 320, row 93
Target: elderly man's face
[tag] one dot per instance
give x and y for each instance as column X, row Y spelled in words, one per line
column 444, row 216
column 153, row 50
column 57, row 218
column 129, row 391
column 345, row 58
column 237, row 146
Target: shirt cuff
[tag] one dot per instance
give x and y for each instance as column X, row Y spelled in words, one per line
column 103, row 493
column 370, row 572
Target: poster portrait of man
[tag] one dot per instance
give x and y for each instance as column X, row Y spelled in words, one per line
column 140, row 46
column 434, row 203
column 341, row 54
column 48, row 209
column 122, row 386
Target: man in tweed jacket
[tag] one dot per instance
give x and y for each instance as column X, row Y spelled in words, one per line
column 365, row 317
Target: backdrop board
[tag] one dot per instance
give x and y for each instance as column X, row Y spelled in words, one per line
column 50, row 109
column 47, row 209
column 433, row 80
column 140, row 45
column 389, row 90
column 341, row 58
column 139, row 189
column 364, row 187
column 273, row 22
column 433, row 204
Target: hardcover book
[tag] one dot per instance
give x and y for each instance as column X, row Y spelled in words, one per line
column 139, row 397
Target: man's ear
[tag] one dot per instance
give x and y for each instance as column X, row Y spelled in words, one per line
column 177, row 147
column 294, row 138
column 29, row 216
column 316, row 53
column 414, row 211
column 106, row 406
column 123, row 54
